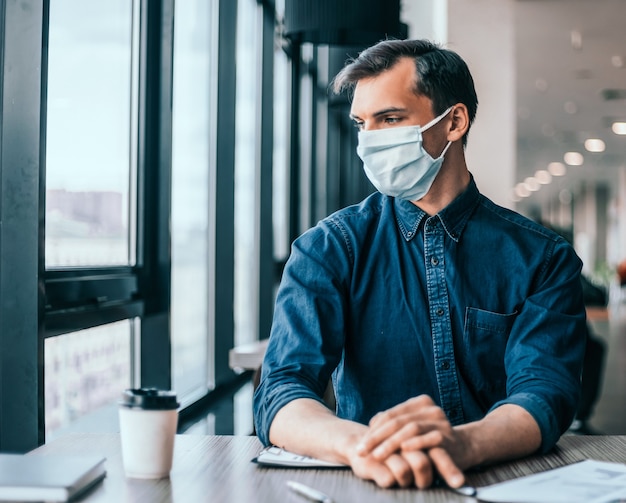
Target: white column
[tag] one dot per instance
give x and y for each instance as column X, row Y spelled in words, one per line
column 584, row 225
column 482, row 33
column 426, row 19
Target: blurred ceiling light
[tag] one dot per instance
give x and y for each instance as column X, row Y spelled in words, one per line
column 531, row 184
column 594, row 145
column 576, row 40
column 565, row 196
column 570, row 107
column 541, row 85
column 619, row 127
column 617, row 61
column 543, row 176
column 521, row 190
column 556, row 169
column 573, row 158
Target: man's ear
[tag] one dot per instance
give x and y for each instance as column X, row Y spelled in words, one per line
column 459, row 122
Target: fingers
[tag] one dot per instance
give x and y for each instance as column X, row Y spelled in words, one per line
column 424, row 435
column 446, row 467
column 381, row 474
column 390, row 428
column 429, row 439
column 393, row 471
column 410, row 406
column 408, row 444
column 387, row 438
column 421, row 468
column 410, row 468
column 400, row 469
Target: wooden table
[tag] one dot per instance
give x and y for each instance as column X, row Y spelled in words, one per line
column 218, row 469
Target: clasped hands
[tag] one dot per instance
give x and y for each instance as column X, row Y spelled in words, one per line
column 408, row 445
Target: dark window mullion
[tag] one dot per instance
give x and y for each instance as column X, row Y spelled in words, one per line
column 23, row 38
column 154, row 188
column 74, row 288
column 265, row 165
column 85, row 298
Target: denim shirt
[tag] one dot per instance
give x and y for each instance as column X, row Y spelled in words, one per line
column 476, row 307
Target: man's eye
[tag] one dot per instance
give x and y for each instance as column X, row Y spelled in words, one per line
column 358, row 125
column 392, row 120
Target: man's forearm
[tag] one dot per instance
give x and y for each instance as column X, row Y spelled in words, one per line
column 507, row 432
column 307, row 427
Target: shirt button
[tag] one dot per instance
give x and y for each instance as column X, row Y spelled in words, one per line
column 439, row 312
column 409, row 234
column 434, row 260
column 445, row 365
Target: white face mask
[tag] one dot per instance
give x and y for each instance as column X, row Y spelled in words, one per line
column 395, row 161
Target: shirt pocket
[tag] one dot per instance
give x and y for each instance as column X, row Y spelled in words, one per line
column 485, row 337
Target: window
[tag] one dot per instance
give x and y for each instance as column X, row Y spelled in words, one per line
column 281, row 155
column 88, row 133
column 90, row 169
column 85, row 372
column 246, row 171
column 190, row 196
column 118, row 259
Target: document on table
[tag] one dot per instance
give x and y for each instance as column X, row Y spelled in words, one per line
column 277, row 457
column 586, row 482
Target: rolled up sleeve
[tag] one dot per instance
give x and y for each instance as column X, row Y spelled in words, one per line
column 307, row 335
column 545, row 352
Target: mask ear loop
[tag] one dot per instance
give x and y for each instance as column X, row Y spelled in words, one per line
column 445, row 149
column 435, row 120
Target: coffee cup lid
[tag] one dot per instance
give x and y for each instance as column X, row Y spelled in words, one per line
column 149, row 399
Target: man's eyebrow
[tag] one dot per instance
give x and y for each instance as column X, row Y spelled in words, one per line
column 384, row 111
column 389, row 110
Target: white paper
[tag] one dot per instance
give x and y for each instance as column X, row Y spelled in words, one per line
column 586, row 482
column 275, row 456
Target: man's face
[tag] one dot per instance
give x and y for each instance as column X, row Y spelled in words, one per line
column 389, row 100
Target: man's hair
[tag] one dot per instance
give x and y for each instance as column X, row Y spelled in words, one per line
column 441, row 74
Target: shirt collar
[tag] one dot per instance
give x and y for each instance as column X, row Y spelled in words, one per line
column 453, row 217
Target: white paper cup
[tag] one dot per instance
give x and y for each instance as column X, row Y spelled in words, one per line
column 148, row 420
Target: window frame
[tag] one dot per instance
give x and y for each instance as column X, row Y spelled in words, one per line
column 22, row 156
column 40, row 303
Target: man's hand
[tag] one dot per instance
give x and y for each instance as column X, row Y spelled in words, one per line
column 307, row 427
column 395, row 469
column 419, row 431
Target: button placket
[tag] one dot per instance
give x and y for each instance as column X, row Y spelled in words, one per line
column 441, row 330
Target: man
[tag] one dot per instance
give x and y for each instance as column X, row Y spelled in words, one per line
column 453, row 328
